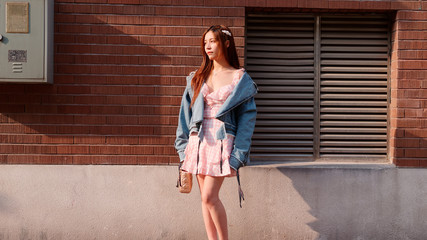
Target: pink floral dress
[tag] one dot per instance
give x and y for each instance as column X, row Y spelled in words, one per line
column 210, row 161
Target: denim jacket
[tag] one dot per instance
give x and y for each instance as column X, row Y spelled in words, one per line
column 238, row 114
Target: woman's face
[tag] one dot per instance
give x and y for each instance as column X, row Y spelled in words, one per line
column 212, row 47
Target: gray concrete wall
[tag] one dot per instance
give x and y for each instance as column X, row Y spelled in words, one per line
column 289, row 201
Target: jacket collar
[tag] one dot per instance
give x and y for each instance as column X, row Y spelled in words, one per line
column 244, row 90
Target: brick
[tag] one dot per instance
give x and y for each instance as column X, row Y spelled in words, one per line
column 411, row 15
column 372, row 4
column 155, row 120
column 413, row 113
column 161, row 150
column 89, row 140
column 423, row 142
column 408, row 103
column 407, row 162
column 416, row 152
column 79, row 29
column 423, row 163
column 416, row 132
column 73, row 129
column 415, row 5
column 344, row 4
column 55, row 119
column 74, row 109
column 397, row 113
column 407, row 123
column 407, row 143
column 122, row 140
column 56, row 139
column 85, row 119
column 410, row 75
column 156, row 140
column 165, row 130
column 122, row 120
column 123, row 39
column 311, row 4
column 185, row 11
column 12, row 108
column 123, row 2
column 218, row 3
column 106, row 109
column 74, row 8
column 412, row 45
column 412, row 25
column 137, row 90
column 413, row 54
column 413, row 35
column 73, row 149
column 77, row 48
column 73, row 69
column 137, row 130
column 64, row 18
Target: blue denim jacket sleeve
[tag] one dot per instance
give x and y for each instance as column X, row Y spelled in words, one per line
column 246, row 117
column 182, row 131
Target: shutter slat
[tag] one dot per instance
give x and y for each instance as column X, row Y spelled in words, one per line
column 352, row 143
column 352, row 63
column 281, row 143
column 353, row 130
column 353, row 117
column 295, row 124
column 353, row 96
column 354, row 103
column 353, row 110
column 353, row 150
column 286, row 89
column 354, row 83
column 283, row 129
column 353, row 89
column 358, row 42
column 354, row 49
column 283, row 136
column 284, row 109
column 353, row 123
column 354, row 137
column 298, row 103
column 355, row 69
column 278, row 62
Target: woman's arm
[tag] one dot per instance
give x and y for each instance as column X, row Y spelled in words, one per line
column 246, row 117
column 182, row 130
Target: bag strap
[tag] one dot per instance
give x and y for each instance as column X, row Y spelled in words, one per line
column 241, row 195
column 178, row 182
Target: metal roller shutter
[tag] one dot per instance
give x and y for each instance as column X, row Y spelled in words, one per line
column 280, row 57
column 323, row 85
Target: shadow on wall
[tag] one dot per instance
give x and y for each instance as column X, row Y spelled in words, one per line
column 109, row 88
column 358, row 203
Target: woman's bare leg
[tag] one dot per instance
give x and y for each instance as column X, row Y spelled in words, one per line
column 213, row 210
column 209, row 224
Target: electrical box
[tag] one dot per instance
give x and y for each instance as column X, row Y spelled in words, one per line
column 26, row 41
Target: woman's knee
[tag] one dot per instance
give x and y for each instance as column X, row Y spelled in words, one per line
column 209, row 199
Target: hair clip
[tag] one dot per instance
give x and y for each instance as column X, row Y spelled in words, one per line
column 226, row 32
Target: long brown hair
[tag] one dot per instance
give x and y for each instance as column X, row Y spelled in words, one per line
column 222, row 34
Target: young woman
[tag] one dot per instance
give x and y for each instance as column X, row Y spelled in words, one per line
column 216, row 123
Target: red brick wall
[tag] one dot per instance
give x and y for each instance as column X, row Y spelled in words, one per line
column 408, row 145
column 119, row 75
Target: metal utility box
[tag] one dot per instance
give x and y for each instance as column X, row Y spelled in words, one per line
column 26, row 41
